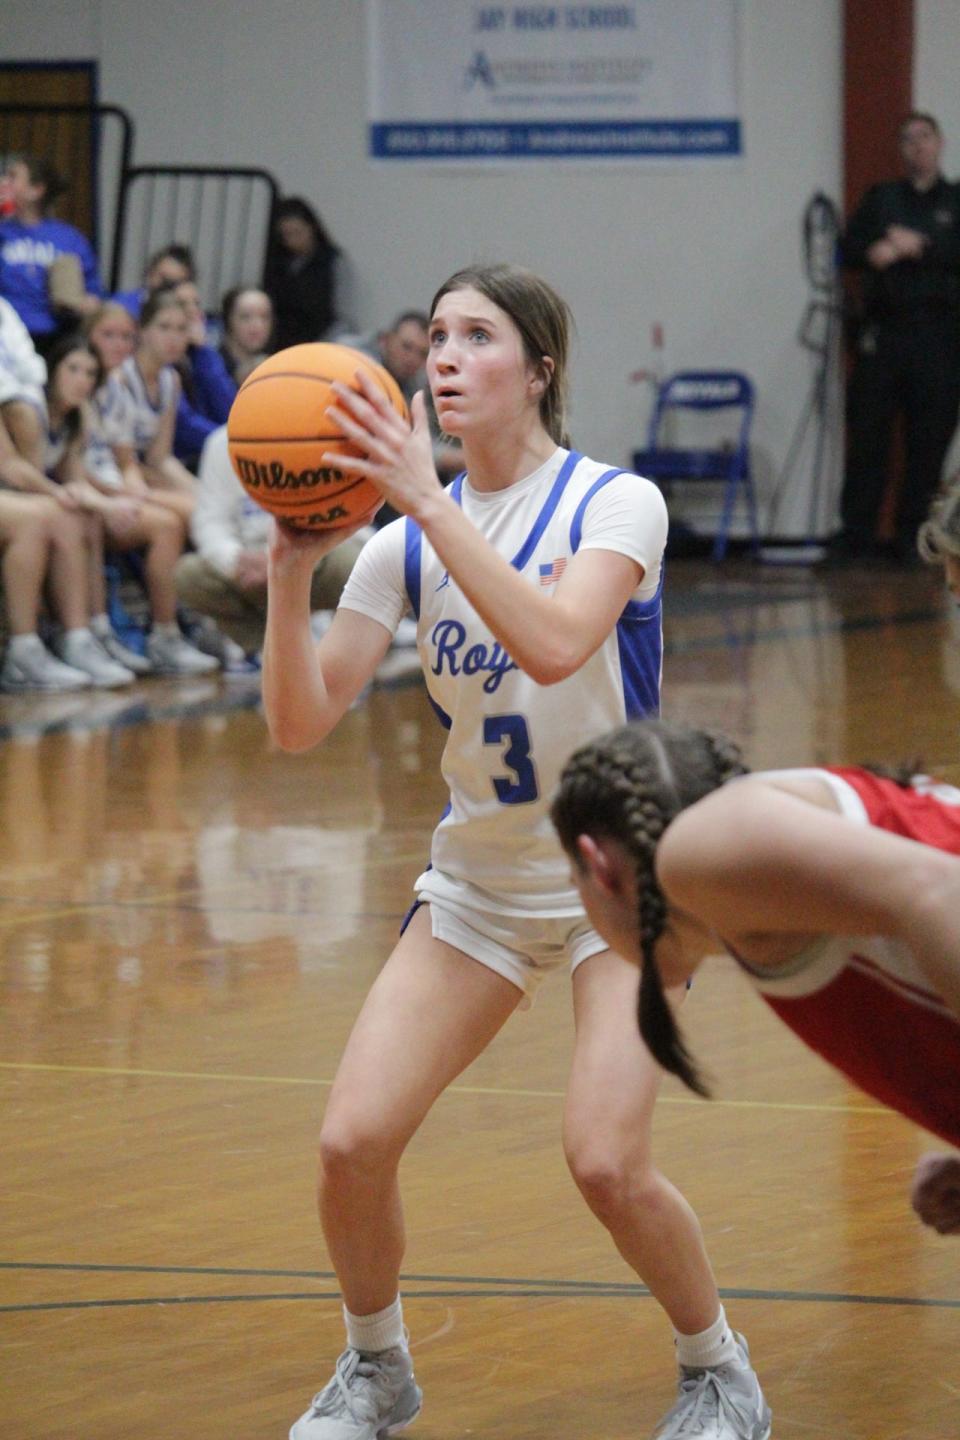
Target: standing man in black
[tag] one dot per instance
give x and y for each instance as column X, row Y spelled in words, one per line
column 905, row 236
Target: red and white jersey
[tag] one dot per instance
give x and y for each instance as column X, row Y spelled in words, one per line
column 863, row 1003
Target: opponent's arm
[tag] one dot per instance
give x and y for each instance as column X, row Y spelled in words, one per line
column 752, row 860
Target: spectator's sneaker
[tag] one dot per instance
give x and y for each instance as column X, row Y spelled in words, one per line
column 34, row 668
column 172, row 655
column 130, row 659
column 725, row 1403
column 369, row 1397
column 82, row 650
column 242, row 667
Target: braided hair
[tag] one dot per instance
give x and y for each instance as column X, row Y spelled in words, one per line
column 628, row 786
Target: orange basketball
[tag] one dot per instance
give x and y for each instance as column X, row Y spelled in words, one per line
column 278, row 431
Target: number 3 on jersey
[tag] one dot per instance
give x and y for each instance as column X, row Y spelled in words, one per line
column 522, row 788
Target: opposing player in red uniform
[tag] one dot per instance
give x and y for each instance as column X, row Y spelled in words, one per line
column 837, row 891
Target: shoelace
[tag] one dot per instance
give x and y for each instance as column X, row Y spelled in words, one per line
column 708, row 1387
column 344, row 1394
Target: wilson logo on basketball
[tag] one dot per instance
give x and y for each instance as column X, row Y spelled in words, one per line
column 274, row 475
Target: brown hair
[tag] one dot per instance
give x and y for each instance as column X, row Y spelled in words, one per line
column 628, row 786
column 543, row 321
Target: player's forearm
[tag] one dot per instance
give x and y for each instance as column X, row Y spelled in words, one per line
column 295, row 698
column 528, row 624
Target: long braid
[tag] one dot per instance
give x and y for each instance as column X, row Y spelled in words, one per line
column 630, row 785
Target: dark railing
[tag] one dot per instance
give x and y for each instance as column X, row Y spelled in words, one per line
column 224, row 214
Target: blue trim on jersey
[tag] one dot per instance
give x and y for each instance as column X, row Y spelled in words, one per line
column 549, row 505
column 411, row 564
column 576, row 525
column 639, row 629
column 640, row 644
column 441, row 715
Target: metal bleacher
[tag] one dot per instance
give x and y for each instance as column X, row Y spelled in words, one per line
column 223, row 213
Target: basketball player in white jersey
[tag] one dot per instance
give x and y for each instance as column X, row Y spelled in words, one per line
column 536, row 583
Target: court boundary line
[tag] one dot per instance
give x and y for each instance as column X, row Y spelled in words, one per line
column 454, row 1287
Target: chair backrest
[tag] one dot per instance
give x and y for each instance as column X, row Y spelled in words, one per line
column 705, row 390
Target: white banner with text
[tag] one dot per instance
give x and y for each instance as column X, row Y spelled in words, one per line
column 458, row 80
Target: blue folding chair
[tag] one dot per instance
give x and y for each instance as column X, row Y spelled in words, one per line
column 729, row 464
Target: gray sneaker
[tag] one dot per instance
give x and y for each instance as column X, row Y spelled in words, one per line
column 130, row 659
column 34, row 668
column 725, row 1403
column 172, row 655
column 369, row 1397
column 82, row 650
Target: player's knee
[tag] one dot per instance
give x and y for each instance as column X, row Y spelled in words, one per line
column 350, row 1152
column 609, row 1180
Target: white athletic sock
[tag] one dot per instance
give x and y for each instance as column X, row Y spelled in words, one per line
column 170, row 628
column 382, row 1331
column 712, row 1347
column 100, row 625
column 16, row 643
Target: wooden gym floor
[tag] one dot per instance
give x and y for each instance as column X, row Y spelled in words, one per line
column 188, row 922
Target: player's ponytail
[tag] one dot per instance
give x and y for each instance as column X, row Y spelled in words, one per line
column 629, row 785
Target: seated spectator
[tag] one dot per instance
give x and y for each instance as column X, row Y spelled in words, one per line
column 165, row 267
column 300, row 274
column 402, row 349
column 206, row 389
column 247, row 317
column 35, row 549
column 113, row 472
column 227, row 576
column 48, row 270
column 23, row 375
column 53, row 538
column 151, row 390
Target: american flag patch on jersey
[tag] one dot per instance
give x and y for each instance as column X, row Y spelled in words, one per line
column 550, row 574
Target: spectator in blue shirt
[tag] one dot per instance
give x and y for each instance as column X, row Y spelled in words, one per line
column 168, row 266
column 32, row 243
column 207, row 391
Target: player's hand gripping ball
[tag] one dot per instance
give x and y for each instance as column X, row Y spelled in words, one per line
column 278, row 430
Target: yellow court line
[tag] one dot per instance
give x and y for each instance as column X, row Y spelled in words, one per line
column 508, row 1092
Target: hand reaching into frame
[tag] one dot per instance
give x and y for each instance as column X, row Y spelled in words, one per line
column 935, row 1193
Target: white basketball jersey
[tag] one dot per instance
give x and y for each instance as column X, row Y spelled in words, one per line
column 144, row 414
column 509, row 737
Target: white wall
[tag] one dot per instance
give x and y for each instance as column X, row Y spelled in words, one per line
column 712, row 252
column 936, row 66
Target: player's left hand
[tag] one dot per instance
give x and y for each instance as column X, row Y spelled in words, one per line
column 935, row 1193
column 398, row 457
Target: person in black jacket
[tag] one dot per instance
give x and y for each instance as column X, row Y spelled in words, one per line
column 300, row 274
column 905, row 237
